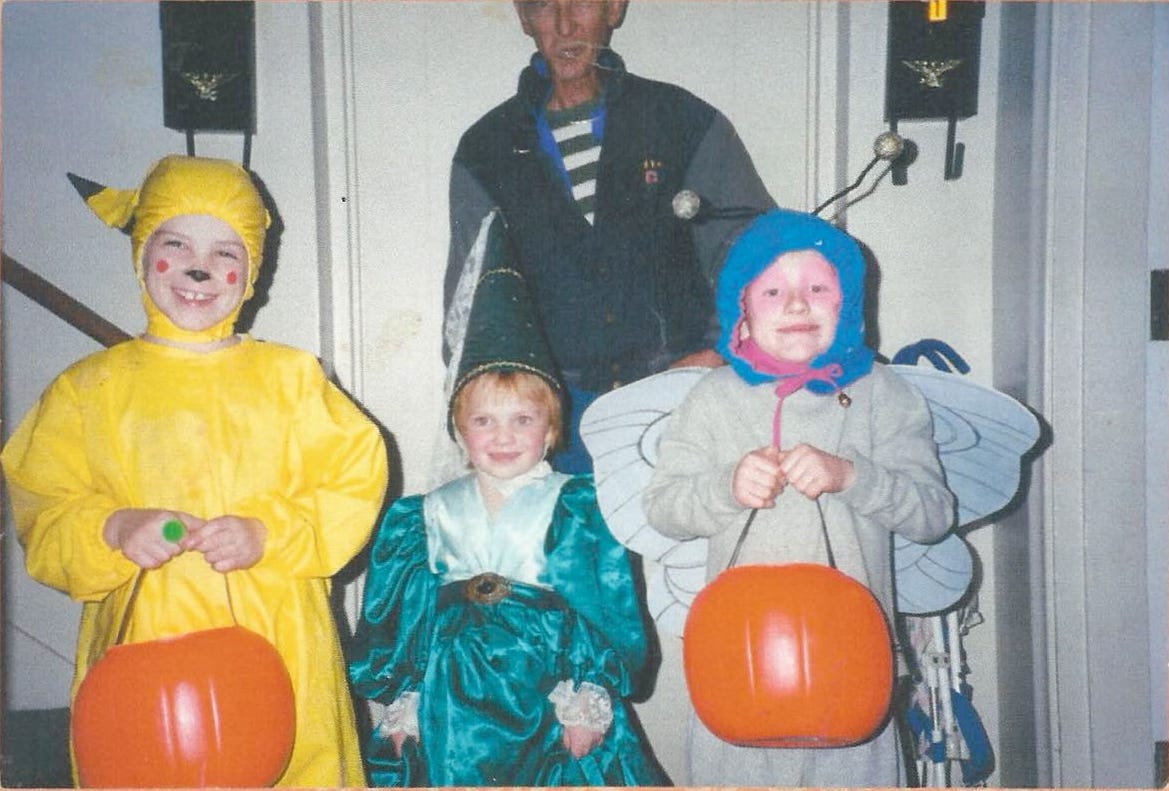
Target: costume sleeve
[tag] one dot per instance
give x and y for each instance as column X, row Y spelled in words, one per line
column 587, row 706
column 689, row 494
column 58, row 505
column 338, row 471
column 391, row 645
column 724, row 176
column 592, row 572
column 899, row 481
column 469, row 204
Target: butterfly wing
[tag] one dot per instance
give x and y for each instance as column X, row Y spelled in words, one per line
column 931, row 578
column 621, row 430
column 982, row 435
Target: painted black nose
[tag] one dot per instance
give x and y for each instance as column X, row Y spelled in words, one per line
column 198, row 275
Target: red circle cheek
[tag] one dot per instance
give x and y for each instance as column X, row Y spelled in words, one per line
column 161, row 266
column 232, row 277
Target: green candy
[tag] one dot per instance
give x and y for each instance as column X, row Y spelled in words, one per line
column 173, row 530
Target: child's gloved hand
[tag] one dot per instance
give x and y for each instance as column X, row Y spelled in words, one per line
column 228, row 542
column 578, row 739
column 758, row 479
column 142, row 534
column 813, row 471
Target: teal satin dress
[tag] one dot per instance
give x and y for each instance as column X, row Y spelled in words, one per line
column 483, row 617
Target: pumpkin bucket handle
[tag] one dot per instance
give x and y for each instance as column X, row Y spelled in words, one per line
column 124, row 621
column 751, row 518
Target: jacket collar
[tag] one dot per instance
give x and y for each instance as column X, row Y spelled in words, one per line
column 534, row 84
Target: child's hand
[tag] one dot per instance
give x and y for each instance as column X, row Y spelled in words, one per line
column 578, row 739
column 139, row 534
column 758, row 479
column 228, row 542
column 813, row 471
column 398, row 738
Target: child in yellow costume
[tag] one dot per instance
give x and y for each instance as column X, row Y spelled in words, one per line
column 276, row 476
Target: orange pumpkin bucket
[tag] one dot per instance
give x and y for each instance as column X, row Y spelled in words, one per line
column 208, row 708
column 795, row 655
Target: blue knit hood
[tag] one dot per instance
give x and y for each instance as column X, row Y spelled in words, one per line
column 782, row 231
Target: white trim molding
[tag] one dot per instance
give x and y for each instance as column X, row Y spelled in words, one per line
column 338, row 198
column 1097, row 304
column 338, row 210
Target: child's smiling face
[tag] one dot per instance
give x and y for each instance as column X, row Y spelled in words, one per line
column 196, row 269
column 791, row 309
column 505, row 434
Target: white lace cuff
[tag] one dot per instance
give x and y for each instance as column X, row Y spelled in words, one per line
column 401, row 715
column 588, row 707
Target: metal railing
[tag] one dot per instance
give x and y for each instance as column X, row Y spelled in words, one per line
column 59, row 303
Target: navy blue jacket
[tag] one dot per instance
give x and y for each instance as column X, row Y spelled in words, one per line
column 625, row 297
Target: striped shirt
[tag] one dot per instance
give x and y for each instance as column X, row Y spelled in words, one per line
column 572, row 129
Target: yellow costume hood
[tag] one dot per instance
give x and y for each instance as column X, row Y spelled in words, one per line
column 182, row 185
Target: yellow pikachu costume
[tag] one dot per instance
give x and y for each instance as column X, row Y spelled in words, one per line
column 253, row 429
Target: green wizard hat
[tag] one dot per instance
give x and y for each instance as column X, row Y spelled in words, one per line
column 503, row 332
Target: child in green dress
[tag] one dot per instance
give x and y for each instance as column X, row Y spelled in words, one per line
column 501, row 622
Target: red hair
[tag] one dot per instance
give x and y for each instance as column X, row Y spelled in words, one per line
column 518, row 384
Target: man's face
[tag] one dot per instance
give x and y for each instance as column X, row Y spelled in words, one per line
column 196, row 269
column 793, row 306
column 569, row 33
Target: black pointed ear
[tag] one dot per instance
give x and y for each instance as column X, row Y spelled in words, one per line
column 113, row 207
column 86, row 188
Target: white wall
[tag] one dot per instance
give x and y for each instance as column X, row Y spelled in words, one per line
column 1019, row 338
column 1157, row 363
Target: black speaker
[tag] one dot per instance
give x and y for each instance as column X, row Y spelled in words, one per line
column 208, row 65
column 932, row 68
column 932, row 64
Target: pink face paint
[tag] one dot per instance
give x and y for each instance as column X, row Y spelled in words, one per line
column 161, row 266
column 232, row 277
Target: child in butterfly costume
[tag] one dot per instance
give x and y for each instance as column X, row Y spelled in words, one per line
column 276, row 476
column 501, row 623
column 801, row 420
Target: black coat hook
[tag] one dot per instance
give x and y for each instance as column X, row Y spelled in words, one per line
column 931, row 70
column 955, row 152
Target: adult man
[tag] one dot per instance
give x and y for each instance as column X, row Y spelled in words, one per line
column 583, row 163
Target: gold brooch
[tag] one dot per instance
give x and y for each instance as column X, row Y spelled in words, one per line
column 487, row 588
